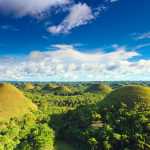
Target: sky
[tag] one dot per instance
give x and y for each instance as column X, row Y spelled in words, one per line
column 74, row 40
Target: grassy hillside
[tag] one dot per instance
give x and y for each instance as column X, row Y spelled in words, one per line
column 28, row 86
column 13, row 103
column 58, row 90
column 103, row 88
column 130, row 95
column 49, row 87
column 62, row 90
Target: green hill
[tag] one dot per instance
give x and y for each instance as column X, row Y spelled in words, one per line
column 129, row 95
column 49, row 87
column 95, row 88
column 63, row 90
column 13, row 103
column 58, row 89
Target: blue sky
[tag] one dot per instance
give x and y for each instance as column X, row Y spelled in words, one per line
column 74, row 40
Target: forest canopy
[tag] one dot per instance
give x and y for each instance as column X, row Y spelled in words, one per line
column 83, row 116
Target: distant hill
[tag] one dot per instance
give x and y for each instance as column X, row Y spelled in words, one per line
column 103, row 88
column 130, row 95
column 63, row 90
column 28, row 86
column 13, row 103
column 60, row 89
column 49, row 87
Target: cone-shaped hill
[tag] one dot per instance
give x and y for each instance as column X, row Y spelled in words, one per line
column 28, row 86
column 63, row 90
column 13, row 103
column 103, row 88
column 49, row 87
column 129, row 95
column 58, row 89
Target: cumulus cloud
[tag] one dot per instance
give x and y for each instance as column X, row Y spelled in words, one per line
column 28, row 7
column 80, row 14
column 66, row 63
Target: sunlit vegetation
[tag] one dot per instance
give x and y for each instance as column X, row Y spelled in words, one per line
column 81, row 116
column 110, row 125
column 130, row 95
column 96, row 88
column 28, row 86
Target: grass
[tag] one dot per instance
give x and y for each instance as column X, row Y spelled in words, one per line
column 29, row 86
column 130, row 95
column 99, row 88
column 13, row 103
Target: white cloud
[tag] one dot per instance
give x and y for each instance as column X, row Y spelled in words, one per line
column 141, row 36
column 9, row 27
column 112, row 1
column 142, row 46
column 80, row 14
column 66, row 63
column 28, row 7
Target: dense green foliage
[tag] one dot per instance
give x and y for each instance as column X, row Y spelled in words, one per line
column 63, row 146
column 106, row 129
column 80, row 116
column 41, row 137
column 61, row 101
column 14, row 130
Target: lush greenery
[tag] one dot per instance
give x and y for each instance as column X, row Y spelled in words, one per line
column 81, row 116
column 96, row 128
